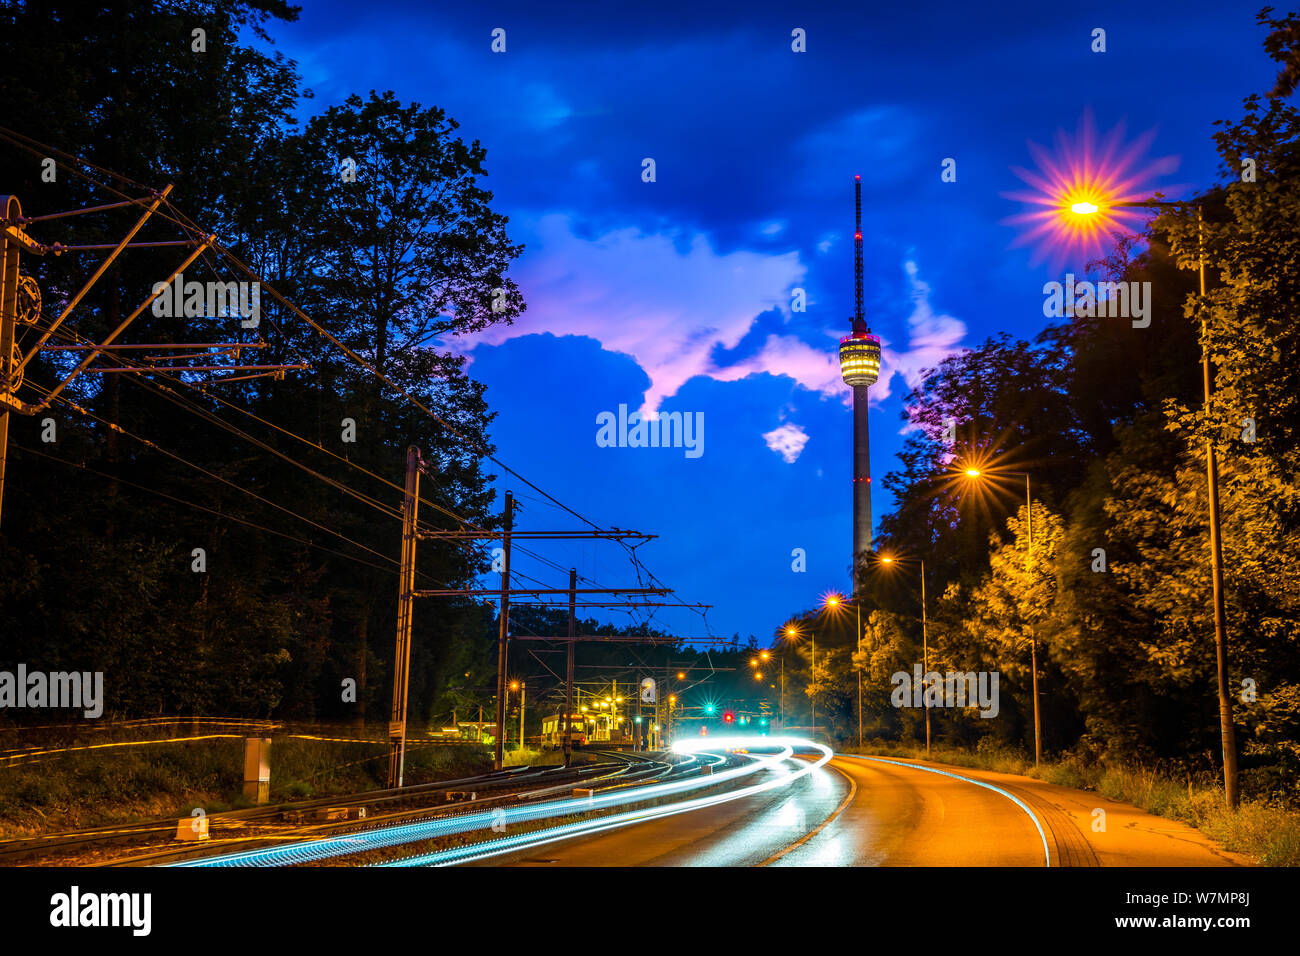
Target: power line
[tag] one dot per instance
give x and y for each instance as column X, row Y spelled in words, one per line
column 212, row 511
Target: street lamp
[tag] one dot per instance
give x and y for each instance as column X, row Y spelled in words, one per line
column 925, row 645
column 521, row 687
column 974, row 472
column 1227, row 732
column 766, row 655
column 833, row 603
column 792, row 633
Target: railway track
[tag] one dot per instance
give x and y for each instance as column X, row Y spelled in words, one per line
column 152, row 842
column 386, row 841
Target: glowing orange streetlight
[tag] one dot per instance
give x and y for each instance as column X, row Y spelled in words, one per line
column 1079, row 188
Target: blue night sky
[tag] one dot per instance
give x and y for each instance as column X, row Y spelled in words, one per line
column 677, row 294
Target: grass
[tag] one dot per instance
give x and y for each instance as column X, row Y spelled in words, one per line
column 1266, row 830
column 93, row 788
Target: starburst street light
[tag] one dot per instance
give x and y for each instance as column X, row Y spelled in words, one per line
column 1087, row 174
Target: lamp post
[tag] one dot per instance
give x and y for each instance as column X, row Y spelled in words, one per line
column 756, row 663
column 514, row 685
column 833, row 603
column 793, row 632
column 1033, row 633
column 782, row 692
column 1226, row 729
column 925, row 650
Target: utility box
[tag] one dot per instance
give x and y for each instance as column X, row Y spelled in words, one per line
column 192, row 828
column 257, row 769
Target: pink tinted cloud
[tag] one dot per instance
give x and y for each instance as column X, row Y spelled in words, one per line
column 641, row 295
column 669, row 308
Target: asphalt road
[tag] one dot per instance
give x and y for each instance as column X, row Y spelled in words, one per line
column 861, row 812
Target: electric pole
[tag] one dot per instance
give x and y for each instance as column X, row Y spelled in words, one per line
column 405, row 610
column 568, row 679
column 502, row 632
column 10, row 245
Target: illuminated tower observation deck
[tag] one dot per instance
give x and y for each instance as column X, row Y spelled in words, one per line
column 860, row 367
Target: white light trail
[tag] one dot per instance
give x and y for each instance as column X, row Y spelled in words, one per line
column 523, row 841
column 309, row 851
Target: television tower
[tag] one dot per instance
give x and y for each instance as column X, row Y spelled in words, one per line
column 860, row 367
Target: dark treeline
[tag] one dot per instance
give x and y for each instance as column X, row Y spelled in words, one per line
column 1107, row 419
column 99, row 526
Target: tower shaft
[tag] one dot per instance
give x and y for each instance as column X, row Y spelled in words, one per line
column 861, row 482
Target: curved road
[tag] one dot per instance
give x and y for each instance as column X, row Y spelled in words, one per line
column 860, row 811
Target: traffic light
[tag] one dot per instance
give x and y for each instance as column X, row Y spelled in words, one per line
column 763, row 722
column 728, row 718
column 708, row 708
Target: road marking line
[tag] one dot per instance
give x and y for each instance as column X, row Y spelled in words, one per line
column 853, row 791
column 1047, row 852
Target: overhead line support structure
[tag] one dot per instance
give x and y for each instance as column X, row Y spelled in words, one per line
column 411, row 535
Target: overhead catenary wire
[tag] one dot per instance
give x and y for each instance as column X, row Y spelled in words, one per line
column 198, row 507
